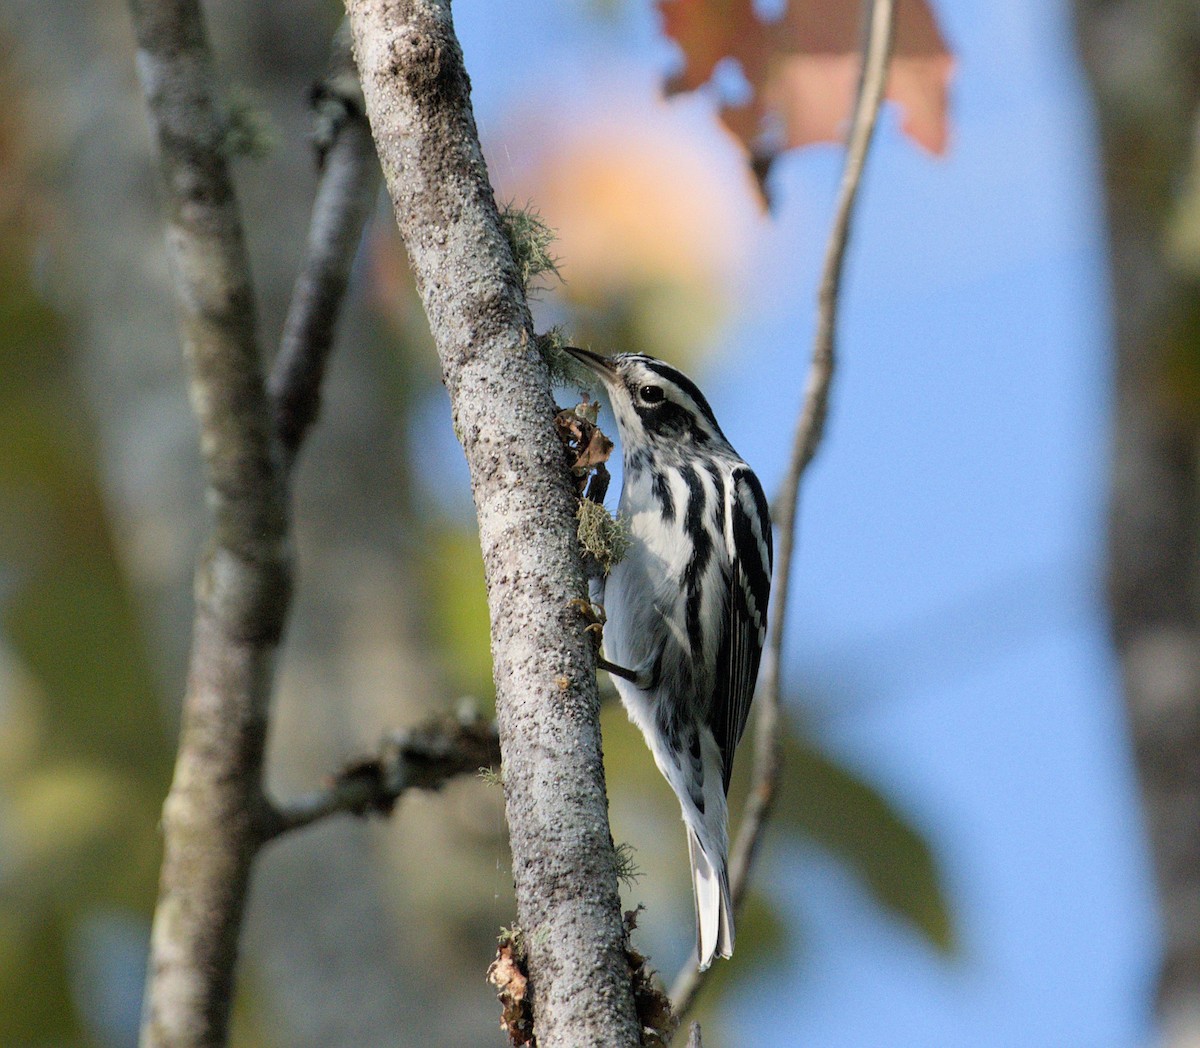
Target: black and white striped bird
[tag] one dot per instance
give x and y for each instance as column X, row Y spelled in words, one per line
column 686, row 607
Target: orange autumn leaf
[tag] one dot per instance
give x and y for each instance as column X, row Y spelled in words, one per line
column 802, row 69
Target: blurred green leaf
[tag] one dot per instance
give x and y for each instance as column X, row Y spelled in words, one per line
column 1179, row 386
column 62, row 811
column 857, row 823
column 33, row 983
column 665, row 320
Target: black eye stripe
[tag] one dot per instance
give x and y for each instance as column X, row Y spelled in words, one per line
column 685, row 384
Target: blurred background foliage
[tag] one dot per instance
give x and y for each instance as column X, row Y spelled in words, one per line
column 355, row 931
column 84, row 757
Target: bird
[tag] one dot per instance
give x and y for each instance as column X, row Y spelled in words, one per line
column 685, row 607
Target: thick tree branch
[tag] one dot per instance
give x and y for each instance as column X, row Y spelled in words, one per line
column 1141, row 61
column 810, row 427
column 215, row 815
column 418, row 102
column 211, row 816
column 423, row 758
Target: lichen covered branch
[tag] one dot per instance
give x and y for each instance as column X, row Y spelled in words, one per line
column 418, row 101
column 216, row 816
column 211, row 815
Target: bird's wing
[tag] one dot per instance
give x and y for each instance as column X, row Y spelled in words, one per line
column 744, row 625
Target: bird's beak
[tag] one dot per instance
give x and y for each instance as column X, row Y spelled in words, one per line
column 595, row 363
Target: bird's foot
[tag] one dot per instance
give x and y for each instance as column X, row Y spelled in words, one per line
column 593, row 614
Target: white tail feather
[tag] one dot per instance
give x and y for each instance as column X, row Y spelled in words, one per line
column 714, row 912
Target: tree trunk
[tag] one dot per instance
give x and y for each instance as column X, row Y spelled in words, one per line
column 1144, row 61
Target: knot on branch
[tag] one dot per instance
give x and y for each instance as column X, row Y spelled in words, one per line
column 337, row 98
column 428, row 60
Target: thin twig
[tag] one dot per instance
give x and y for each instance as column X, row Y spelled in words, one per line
column 424, row 758
column 809, row 430
column 349, row 182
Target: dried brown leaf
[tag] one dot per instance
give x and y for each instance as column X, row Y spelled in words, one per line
column 587, row 447
column 507, row 974
column 803, row 69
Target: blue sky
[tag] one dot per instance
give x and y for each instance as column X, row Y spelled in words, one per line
column 948, row 634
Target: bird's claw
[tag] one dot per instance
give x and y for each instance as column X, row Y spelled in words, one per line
column 593, row 614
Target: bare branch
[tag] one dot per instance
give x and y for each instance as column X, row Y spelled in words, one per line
column 417, row 98
column 423, row 758
column 809, row 429
column 693, row 1040
column 349, row 182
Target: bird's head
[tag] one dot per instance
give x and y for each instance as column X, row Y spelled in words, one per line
column 656, row 405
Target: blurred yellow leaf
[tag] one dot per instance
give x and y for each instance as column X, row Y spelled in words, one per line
column 59, row 816
column 651, row 243
column 458, row 612
column 20, row 727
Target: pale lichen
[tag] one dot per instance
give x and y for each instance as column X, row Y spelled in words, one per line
column 628, row 871
column 530, row 239
column 601, row 535
column 248, row 130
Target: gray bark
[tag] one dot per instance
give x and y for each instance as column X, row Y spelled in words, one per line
column 417, row 98
column 210, row 819
column 344, row 199
column 217, row 815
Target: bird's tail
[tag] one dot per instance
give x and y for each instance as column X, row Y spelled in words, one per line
column 714, row 908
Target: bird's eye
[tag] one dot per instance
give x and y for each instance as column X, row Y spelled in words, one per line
column 651, row 394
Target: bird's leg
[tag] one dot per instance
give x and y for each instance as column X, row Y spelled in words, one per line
column 620, row 671
column 594, row 613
